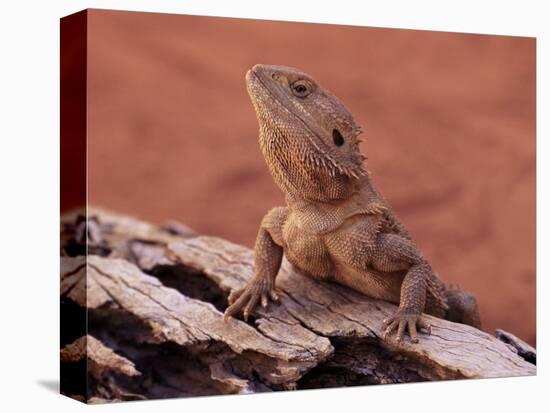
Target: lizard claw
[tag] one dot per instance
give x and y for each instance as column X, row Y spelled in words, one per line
column 246, row 299
column 402, row 322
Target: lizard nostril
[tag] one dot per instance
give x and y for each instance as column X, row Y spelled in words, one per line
column 337, row 137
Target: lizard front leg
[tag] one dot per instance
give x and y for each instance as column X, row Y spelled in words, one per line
column 411, row 305
column 393, row 252
column 268, row 254
column 386, row 266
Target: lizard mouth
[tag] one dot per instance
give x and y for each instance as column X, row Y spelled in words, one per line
column 319, row 156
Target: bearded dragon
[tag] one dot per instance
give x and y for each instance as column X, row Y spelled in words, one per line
column 335, row 226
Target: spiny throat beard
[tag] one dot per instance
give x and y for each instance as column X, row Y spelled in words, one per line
column 297, row 172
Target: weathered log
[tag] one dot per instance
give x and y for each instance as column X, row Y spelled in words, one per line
column 102, row 360
column 155, row 297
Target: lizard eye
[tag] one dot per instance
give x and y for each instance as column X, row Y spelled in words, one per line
column 337, row 137
column 300, row 88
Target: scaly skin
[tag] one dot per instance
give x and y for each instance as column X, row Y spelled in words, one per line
column 336, row 225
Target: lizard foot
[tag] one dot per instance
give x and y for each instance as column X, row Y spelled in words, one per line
column 401, row 321
column 247, row 298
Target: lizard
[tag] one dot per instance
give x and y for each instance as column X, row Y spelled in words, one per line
column 336, row 225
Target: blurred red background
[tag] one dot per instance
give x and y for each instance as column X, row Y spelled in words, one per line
column 449, row 121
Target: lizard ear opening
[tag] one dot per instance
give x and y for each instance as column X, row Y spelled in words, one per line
column 337, row 137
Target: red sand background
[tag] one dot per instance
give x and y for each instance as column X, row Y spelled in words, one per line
column 449, row 121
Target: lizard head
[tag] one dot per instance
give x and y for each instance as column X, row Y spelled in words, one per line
column 308, row 137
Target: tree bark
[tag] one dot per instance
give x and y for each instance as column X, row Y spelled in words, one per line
column 153, row 299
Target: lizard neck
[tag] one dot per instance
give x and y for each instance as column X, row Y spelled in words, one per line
column 362, row 194
column 298, row 202
column 321, row 217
